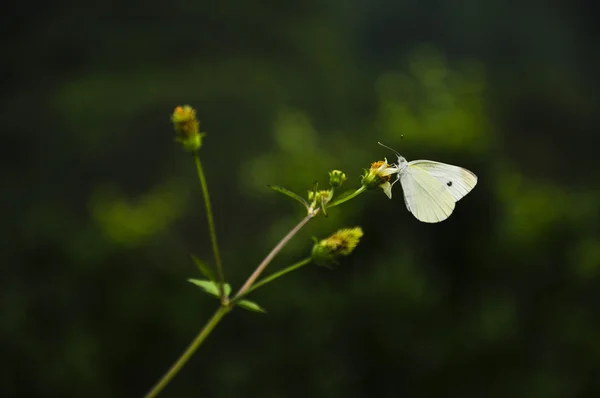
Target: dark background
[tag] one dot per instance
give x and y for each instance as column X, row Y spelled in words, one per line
column 100, row 208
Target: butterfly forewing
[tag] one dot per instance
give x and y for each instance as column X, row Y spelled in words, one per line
column 457, row 180
column 425, row 196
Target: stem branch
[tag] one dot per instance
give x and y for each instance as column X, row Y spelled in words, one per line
column 272, row 277
column 347, row 198
column 176, row 367
column 272, row 254
column 211, row 225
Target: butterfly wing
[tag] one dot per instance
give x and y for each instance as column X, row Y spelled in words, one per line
column 457, row 180
column 425, row 196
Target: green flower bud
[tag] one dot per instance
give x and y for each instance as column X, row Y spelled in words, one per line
column 337, row 178
column 187, row 128
column 342, row 243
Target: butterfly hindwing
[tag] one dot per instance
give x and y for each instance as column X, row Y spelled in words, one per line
column 427, row 198
column 458, row 181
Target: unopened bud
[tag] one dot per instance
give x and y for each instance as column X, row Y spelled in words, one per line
column 187, row 128
column 342, row 243
column 337, row 178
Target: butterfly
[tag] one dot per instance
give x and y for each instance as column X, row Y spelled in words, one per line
column 431, row 189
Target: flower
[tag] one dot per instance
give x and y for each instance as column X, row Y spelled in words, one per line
column 187, row 127
column 378, row 176
column 342, row 243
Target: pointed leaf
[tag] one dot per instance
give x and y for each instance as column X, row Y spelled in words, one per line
column 211, row 287
column 204, row 268
column 250, row 306
column 208, row 286
column 289, row 193
column 227, row 289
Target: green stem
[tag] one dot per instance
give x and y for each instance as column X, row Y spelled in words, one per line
column 211, row 226
column 347, row 198
column 272, row 277
column 210, row 325
column 261, row 267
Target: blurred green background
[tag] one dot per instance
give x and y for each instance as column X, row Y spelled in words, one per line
column 100, row 208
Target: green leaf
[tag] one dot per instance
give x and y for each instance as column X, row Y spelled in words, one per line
column 211, row 287
column 204, row 268
column 226, row 289
column 250, row 306
column 289, row 193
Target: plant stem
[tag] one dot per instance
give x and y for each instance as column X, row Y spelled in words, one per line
column 272, row 277
column 211, row 226
column 176, row 367
column 272, row 254
column 347, row 198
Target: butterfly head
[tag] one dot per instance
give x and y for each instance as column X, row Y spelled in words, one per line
column 402, row 163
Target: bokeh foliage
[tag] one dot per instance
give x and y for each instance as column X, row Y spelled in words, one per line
column 101, row 208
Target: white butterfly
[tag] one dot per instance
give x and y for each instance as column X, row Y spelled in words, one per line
column 431, row 189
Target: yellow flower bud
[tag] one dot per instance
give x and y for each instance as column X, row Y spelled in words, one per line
column 342, row 243
column 187, row 127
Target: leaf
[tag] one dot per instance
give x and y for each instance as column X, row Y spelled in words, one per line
column 226, row 289
column 204, row 268
column 250, row 306
column 289, row 193
column 211, row 287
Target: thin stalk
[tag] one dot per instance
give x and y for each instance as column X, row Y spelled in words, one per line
column 176, row 367
column 272, row 277
column 261, row 267
column 347, row 198
column 211, row 226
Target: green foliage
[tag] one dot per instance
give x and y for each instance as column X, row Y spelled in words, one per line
column 290, row 194
column 211, row 287
column 250, row 306
column 134, row 221
column 434, row 104
column 204, row 269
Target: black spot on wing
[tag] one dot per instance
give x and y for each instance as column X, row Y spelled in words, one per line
column 449, row 183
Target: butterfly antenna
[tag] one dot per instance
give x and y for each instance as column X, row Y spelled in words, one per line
column 385, row 146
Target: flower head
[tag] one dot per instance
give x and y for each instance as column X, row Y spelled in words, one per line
column 378, row 176
column 187, row 127
column 342, row 243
